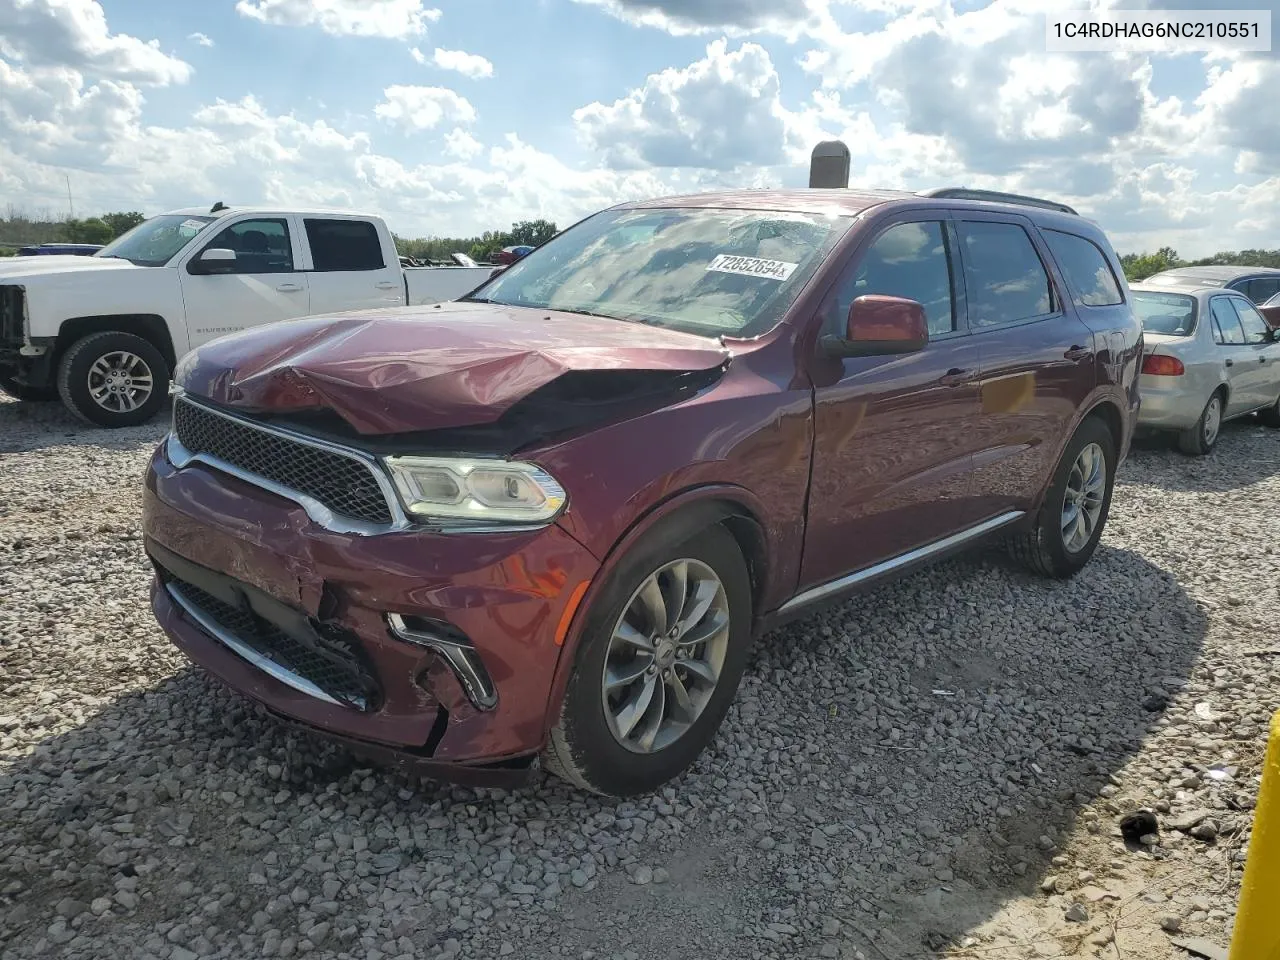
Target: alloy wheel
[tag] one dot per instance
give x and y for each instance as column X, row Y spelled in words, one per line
column 1083, row 498
column 666, row 654
column 120, row 381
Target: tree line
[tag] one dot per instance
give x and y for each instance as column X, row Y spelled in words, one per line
column 18, row 229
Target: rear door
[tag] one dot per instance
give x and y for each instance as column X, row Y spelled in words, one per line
column 1263, row 360
column 1238, row 357
column 1038, row 358
column 348, row 266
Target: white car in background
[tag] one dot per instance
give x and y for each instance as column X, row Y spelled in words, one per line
column 105, row 332
column 1209, row 356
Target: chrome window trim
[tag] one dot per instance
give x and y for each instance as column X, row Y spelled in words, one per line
column 831, row 587
column 320, row 514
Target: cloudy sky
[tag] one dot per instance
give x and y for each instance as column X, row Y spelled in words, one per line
column 454, row 116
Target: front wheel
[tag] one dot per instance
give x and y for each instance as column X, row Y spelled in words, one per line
column 662, row 652
column 113, row 379
column 1075, row 509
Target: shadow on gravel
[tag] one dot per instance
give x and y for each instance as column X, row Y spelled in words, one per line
column 1157, row 462
column 892, row 772
column 28, row 426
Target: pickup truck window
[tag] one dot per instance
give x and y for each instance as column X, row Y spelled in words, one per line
column 261, row 246
column 154, row 242
column 706, row 271
column 341, row 245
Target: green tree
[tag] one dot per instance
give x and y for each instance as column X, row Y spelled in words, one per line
column 531, row 233
column 121, row 223
column 1139, row 266
column 92, row 230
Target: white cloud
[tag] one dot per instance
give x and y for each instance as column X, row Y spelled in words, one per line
column 421, row 108
column 200, row 39
column 733, row 17
column 462, row 145
column 73, row 34
column 345, row 18
column 720, row 112
column 467, row 64
column 418, row 55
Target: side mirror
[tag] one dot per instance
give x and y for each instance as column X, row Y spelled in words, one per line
column 879, row 326
column 214, row 260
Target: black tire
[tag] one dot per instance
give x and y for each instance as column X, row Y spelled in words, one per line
column 1270, row 417
column 1044, row 549
column 582, row 748
column 25, row 391
column 74, row 371
column 1193, row 441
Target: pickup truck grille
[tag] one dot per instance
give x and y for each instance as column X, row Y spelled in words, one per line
column 343, row 483
column 11, row 310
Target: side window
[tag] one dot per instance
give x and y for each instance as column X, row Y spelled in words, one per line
column 1004, row 278
column 1255, row 328
column 341, row 245
column 1085, row 266
column 1262, row 289
column 261, row 246
column 909, row 260
column 1226, row 323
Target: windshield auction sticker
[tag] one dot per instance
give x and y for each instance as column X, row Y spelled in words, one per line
column 752, row 267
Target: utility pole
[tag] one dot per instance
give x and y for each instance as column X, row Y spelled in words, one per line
column 70, row 203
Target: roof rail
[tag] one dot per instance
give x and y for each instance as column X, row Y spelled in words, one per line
column 995, row 196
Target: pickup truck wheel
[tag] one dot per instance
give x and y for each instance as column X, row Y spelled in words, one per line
column 24, row 391
column 1075, row 509
column 113, row 379
column 659, row 663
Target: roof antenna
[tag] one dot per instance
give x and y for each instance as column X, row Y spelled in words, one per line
column 218, row 207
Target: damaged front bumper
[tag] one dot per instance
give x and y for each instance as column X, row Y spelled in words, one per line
column 420, row 647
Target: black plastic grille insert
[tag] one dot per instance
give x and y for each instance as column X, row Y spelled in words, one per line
column 343, row 484
column 335, row 669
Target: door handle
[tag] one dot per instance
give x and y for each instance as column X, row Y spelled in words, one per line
column 955, row 376
column 1078, row 353
column 1230, row 362
column 388, row 285
column 288, row 287
column 1262, row 359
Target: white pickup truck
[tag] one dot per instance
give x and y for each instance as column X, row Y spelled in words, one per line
column 104, row 332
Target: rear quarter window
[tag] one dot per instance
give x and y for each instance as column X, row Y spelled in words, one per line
column 344, row 245
column 1085, row 266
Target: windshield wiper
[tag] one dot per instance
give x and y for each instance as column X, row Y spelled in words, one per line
column 591, row 313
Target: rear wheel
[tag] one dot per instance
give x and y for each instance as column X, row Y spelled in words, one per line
column 1200, row 439
column 113, row 379
column 1270, row 417
column 1075, row 509
column 659, row 663
column 25, row 391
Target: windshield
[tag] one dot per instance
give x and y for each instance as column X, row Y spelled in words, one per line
column 704, row 271
column 1169, row 313
column 153, row 242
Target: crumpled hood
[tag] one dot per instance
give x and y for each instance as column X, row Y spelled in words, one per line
column 18, row 269
column 426, row 368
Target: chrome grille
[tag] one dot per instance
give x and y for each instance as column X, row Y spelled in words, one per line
column 343, row 484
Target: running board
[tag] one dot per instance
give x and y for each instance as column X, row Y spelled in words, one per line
column 825, row 590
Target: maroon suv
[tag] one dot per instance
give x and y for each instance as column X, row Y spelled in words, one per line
column 549, row 519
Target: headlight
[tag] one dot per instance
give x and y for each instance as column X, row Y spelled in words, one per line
column 482, row 490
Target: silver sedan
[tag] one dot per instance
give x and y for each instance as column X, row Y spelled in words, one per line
column 1209, row 357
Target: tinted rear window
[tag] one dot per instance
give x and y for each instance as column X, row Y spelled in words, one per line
column 340, row 245
column 1092, row 282
column 1173, row 314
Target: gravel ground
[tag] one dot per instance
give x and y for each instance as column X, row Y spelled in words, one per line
column 936, row 767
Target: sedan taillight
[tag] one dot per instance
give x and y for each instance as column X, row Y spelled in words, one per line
column 1160, row 365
